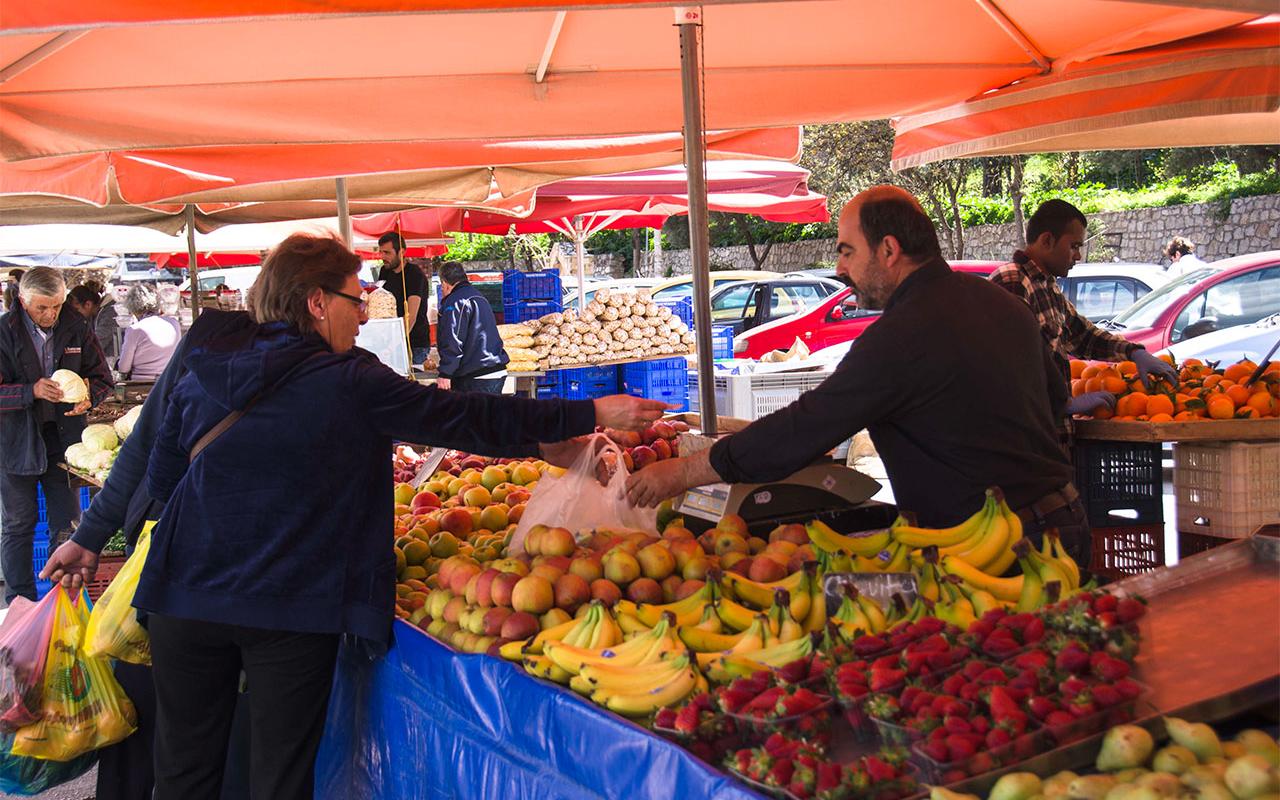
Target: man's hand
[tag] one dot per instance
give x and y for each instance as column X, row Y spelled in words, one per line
column 443, row 383
column 627, row 413
column 665, row 479
column 45, row 389
column 71, row 564
column 563, row 454
column 80, row 408
column 1089, row 402
column 1152, row 369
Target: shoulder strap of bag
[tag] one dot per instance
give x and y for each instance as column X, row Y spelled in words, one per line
column 231, row 419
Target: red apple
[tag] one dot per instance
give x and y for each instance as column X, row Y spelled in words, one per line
column 606, row 591
column 502, row 586
column 534, row 594
column 520, row 625
column 571, row 591
column 456, row 521
column 424, row 501
column 644, row 590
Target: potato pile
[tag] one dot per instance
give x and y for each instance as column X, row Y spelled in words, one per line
column 615, row 326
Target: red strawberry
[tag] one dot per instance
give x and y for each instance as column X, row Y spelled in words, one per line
column 765, row 700
column 908, row 696
column 1041, row 707
column 665, row 718
column 743, row 758
column 1072, row 687
column 940, row 661
column 953, row 776
column 1104, row 602
column 1106, row 696
column 970, row 691
column 1057, row 718
column 955, row 724
column 828, row 776
column 885, row 662
column 778, row 745
column 703, row 701
column 980, row 724
column 1072, row 659
column 997, row 737
column 878, row 770
column 780, row 775
column 687, row 719
column 941, row 703
column 884, row 680
column 930, row 644
column 1128, row 688
column 956, row 708
column 794, row 672
column 935, row 749
column 1032, row 659
column 869, row 645
column 993, row 676
column 1128, row 609
column 960, row 747
column 973, row 669
column 980, row 763
column 915, row 663
column 1110, row 669
column 1082, row 705
column 1034, row 631
column 953, row 683
column 982, row 628
column 732, row 700
column 818, row 666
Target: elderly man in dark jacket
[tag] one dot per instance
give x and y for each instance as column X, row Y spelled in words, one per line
column 471, row 355
column 37, row 337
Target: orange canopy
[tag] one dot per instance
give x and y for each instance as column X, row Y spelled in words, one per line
column 82, row 77
column 1219, row 88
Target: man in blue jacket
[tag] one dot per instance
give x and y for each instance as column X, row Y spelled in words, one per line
column 39, row 336
column 471, row 354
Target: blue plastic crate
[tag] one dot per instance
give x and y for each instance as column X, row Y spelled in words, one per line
column 676, row 396
column 517, row 285
column 547, row 387
column 682, row 309
column 528, row 309
column 721, row 341
column 587, row 383
column 39, row 557
column 42, row 509
column 647, row 378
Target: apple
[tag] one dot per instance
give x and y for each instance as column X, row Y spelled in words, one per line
column 755, row 544
column 510, row 565
column 494, row 517
column 571, row 591
column 484, row 587
column 476, row 496
column 457, row 521
column 620, row 566
column 732, row 523
column 454, row 608
column 524, row 474
column 403, row 494
column 708, row 541
column 689, row 587
column 644, row 590
column 742, row 566
column 435, row 627
column 554, row 617
column 696, row 569
column 472, row 585
column 443, row 545
column 502, row 587
column 587, row 567
column 456, row 487
column 656, row 562
column 437, row 600
column 674, row 532
column 558, row 542
column 533, row 593
column 548, row 572
column 492, row 476
column 684, row 551
column 515, row 514
column 792, row 532
column 606, row 591
column 461, row 575
column 495, row 619
column 766, row 570
column 424, row 501
column 519, row 625
column 727, row 542
column 670, row 585
column 533, row 539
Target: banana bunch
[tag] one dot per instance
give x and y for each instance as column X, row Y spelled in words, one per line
column 596, row 630
column 858, row 615
column 985, row 540
column 652, row 645
column 953, row 605
column 572, row 630
column 641, row 690
column 755, row 637
column 724, row 667
column 688, row 610
column 1005, row 590
column 1045, row 578
column 825, row 540
column 761, row 595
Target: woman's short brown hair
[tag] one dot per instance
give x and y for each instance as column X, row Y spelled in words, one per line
column 293, row 270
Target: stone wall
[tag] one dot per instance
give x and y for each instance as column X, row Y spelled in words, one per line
column 1253, row 225
column 783, row 257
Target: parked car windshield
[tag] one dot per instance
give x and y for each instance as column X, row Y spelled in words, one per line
column 1143, row 313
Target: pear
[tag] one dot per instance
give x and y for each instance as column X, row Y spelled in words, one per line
column 1250, row 776
column 1202, row 774
column 1056, row 786
column 1016, row 786
column 942, row 793
column 1197, row 737
column 1162, row 783
column 1091, row 787
column 1174, row 758
column 1123, row 747
column 1256, row 741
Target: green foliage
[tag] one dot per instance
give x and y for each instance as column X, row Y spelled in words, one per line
column 479, row 247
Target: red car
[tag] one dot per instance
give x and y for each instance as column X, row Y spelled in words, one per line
column 836, row 319
column 1234, row 291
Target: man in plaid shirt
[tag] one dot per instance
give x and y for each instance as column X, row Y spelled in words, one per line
column 1055, row 234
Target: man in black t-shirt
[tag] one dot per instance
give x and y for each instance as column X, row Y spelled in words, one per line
column 409, row 286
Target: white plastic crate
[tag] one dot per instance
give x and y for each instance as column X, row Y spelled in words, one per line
column 1226, row 489
column 755, row 396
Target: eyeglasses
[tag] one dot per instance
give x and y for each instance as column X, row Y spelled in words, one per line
column 362, row 301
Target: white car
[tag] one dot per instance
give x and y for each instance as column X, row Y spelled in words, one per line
column 620, row 284
column 1229, row 345
column 1101, row 290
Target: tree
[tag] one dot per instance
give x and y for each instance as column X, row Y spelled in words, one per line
column 938, row 187
column 846, row 158
column 1016, row 165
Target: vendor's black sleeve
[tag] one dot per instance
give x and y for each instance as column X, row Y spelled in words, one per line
column 867, row 386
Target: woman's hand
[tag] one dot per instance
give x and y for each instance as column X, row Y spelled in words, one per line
column 71, row 564
column 627, row 413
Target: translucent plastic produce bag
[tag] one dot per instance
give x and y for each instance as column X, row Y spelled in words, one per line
column 82, row 707
column 577, row 500
column 23, row 775
column 113, row 630
column 24, row 647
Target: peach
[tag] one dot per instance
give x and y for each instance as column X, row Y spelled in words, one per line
column 644, row 590
column 460, row 575
column 664, row 430
column 502, row 587
column 732, row 523
column 605, row 591
column 494, row 619
column 708, row 541
column 727, row 542
column 548, row 572
column 643, row 456
column 662, row 449
column 519, row 625
column 493, row 476
column 620, row 566
column 696, row 568
column 484, row 587
column 673, row 532
column 571, row 591
column 689, row 588
column 587, row 567
column 533, row 593
column 766, row 570
column 792, row 532
column 495, row 517
column 559, row 562
column 515, row 514
column 554, row 617
column 670, row 585
column 454, row 608
column 684, row 551
column 755, row 544
column 457, row 521
column 533, row 539
column 557, row 542
column 656, row 562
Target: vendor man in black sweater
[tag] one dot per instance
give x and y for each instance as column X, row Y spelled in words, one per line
column 953, row 382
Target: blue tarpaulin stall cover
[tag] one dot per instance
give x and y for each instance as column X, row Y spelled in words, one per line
column 425, row 722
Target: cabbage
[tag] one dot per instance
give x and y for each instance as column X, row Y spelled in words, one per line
column 73, row 387
column 100, row 437
column 124, row 425
column 77, row 454
column 97, row 460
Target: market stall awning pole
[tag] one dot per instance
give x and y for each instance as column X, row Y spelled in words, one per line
column 192, row 268
column 689, row 20
column 344, row 212
column 579, row 255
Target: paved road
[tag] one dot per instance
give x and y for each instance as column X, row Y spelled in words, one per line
column 82, row 788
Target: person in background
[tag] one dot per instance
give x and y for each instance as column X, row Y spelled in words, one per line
column 260, row 581
column 409, row 286
column 150, row 342
column 85, row 301
column 1181, row 253
column 472, row 358
column 105, row 324
column 964, row 397
column 1055, row 236
column 11, row 290
column 37, row 337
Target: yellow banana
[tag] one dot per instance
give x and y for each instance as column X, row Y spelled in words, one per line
column 632, row 678
column 823, row 538
column 993, row 543
column 898, row 559
column 710, row 621
column 645, row 703
column 543, row 667
column 927, row 582
column 759, row 595
column 688, row 611
column 607, row 632
column 1051, row 571
column 816, row 619
column 514, row 650
column 734, row 615
column 750, row 640
column 1068, row 563
column 1005, row 560
column 581, row 635
column 1032, row 595
column 782, row 654
column 554, row 634
column 1007, row 589
column 874, row 614
column 728, row 667
column 981, row 600
column 707, row 642
column 861, row 564
column 573, row 659
column 630, row 624
column 943, row 537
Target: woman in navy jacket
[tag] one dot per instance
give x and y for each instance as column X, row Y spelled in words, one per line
column 275, row 538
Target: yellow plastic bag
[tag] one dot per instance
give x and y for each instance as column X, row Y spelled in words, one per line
column 83, row 708
column 113, row 629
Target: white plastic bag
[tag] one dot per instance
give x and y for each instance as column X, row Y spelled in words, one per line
column 577, row 500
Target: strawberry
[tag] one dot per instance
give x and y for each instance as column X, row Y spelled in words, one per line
column 1072, row 687
column 982, row 628
column 887, row 679
column 1129, row 609
column 929, row 626
column 883, row 707
column 1057, row 718
column 877, row 770
column 778, row 745
column 935, row 750
column 953, row 683
column 970, row 692
column 956, row 708
column 973, row 669
column 1041, row 707
column 742, row 760
column 794, row 672
column 940, row 705
column 732, row 700
column 829, row 775
column 980, row 724
column 780, row 774
column 1034, row 631
column 908, row 696
column 1072, row 659
column 869, row 645
column 765, row 700
column 920, row 700
column 980, row 763
column 996, row 737
column 703, row 701
column 1000, row 644
column 953, row 776
column 1082, row 705
column 1106, row 695
column 818, row 666
column 955, row 724
column 687, row 719
column 1110, row 670
column 993, row 676
column 1128, row 688
column 1032, row 659
column 915, row 663
column 960, row 747
column 665, row 718
column 930, row 644
column 939, row 661
column 1104, row 602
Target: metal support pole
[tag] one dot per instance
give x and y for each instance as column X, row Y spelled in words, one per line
column 579, row 253
column 344, row 213
column 193, row 271
column 656, row 267
column 689, row 20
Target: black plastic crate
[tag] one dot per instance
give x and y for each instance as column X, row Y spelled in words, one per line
column 1189, row 544
column 1120, row 483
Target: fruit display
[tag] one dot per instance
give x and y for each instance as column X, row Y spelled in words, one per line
column 642, row 448
column 614, row 326
column 1195, row 763
column 1202, row 392
column 788, row 767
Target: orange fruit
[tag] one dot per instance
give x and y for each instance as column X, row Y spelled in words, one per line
column 1239, row 371
column 1127, row 368
column 1184, row 416
column 1239, row 394
column 1263, row 403
column 1273, row 367
column 1192, row 362
column 1221, row 407
column 1248, row 412
column 1090, row 371
column 1160, row 405
column 1102, row 412
column 1093, row 384
column 1108, row 372
column 1211, row 381
column 1160, row 418
column 1077, row 367
column 1166, row 358
column 1138, row 403
column 1077, row 388
column 1115, row 385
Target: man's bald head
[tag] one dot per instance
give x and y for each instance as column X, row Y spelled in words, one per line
column 884, row 236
